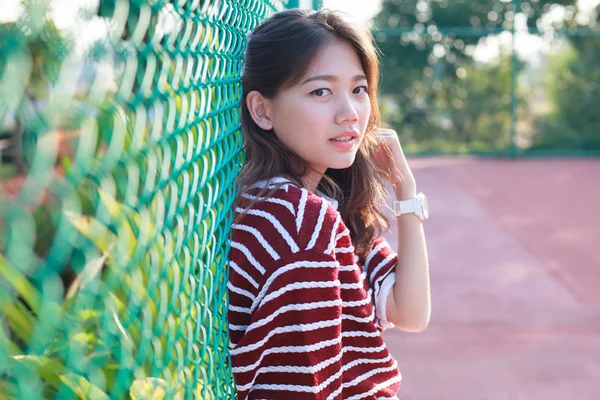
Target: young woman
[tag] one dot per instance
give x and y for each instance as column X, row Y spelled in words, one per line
column 312, row 285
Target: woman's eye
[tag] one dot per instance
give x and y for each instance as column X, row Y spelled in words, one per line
column 361, row 87
column 320, row 92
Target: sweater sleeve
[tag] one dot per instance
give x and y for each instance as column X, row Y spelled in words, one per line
column 380, row 266
column 292, row 345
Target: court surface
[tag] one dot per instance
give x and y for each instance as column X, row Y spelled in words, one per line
column 514, row 251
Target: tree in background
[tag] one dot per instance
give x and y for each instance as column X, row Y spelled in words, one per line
column 572, row 85
column 45, row 48
column 433, row 91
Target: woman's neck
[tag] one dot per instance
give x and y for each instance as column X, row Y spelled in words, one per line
column 311, row 180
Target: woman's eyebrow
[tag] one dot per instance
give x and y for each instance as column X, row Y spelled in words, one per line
column 332, row 78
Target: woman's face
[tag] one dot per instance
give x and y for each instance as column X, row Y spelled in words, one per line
column 330, row 101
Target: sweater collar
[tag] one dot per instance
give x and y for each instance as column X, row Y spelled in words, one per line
column 286, row 183
column 333, row 202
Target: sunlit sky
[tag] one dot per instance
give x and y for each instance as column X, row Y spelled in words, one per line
column 64, row 12
column 364, row 10
column 528, row 46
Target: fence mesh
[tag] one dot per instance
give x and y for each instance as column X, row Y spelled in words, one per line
column 517, row 78
column 119, row 144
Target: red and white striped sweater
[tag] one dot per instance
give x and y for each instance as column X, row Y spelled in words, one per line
column 305, row 317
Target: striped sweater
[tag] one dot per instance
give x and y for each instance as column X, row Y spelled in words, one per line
column 305, row 316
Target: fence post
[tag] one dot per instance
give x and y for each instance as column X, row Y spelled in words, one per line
column 514, row 66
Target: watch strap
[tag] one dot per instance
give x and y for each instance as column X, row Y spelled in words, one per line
column 401, row 207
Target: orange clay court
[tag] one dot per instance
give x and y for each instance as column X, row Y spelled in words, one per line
column 514, row 250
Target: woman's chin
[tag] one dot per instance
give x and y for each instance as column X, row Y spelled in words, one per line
column 341, row 163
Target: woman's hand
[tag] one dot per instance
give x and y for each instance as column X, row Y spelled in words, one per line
column 392, row 165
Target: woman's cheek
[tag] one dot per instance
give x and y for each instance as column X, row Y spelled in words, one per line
column 366, row 109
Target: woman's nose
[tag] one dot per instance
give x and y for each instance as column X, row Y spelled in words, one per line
column 347, row 112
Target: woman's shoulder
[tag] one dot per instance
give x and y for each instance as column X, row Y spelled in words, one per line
column 308, row 218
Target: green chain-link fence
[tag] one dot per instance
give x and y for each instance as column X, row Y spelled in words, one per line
column 517, row 78
column 120, row 141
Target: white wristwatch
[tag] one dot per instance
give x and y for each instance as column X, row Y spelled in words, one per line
column 417, row 205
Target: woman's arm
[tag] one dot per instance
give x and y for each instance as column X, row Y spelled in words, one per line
column 409, row 302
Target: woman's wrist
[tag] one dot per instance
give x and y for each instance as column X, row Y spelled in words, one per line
column 406, row 194
column 404, row 189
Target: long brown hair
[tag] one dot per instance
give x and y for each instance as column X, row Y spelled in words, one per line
column 278, row 54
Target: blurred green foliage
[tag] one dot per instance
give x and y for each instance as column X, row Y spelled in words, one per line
column 572, row 85
column 441, row 99
column 118, row 160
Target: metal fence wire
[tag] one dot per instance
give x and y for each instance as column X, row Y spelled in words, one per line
column 504, row 78
column 119, row 142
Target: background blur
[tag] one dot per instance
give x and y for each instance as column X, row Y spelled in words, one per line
column 120, row 143
column 488, row 77
column 512, row 240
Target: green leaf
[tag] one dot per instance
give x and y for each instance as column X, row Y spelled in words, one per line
column 84, row 340
column 8, row 390
column 20, row 283
column 115, row 209
column 134, row 332
column 148, row 389
column 67, row 164
column 8, row 346
column 47, row 368
column 92, row 229
column 83, row 388
column 20, row 319
column 87, row 274
column 120, row 325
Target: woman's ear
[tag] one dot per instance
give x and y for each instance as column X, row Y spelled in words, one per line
column 259, row 108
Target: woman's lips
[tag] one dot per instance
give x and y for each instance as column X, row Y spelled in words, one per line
column 343, row 144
